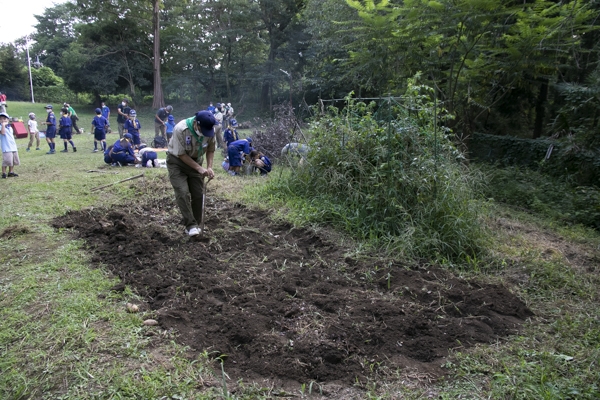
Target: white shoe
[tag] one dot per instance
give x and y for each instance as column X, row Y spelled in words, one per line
column 193, row 232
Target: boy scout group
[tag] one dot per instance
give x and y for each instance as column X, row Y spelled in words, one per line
column 190, row 146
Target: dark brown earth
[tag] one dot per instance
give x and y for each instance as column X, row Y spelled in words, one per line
column 283, row 303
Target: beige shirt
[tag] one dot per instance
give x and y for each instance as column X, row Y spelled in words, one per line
column 184, row 142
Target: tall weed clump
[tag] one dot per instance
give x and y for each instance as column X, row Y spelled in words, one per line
column 385, row 175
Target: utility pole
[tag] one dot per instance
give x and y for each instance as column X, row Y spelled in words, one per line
column 29, row 67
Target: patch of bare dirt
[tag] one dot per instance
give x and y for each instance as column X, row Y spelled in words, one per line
column 13, row 231
column 288, row 304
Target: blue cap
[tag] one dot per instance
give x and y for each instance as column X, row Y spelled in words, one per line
column 98, row 111
column 132, row 113
column 233, row 122
column 206, row 121
column 171, row 118
column 249, row 139
column 128, row 136
column 49, row 106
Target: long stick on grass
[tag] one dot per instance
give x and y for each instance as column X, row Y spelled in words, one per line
column 114, row 183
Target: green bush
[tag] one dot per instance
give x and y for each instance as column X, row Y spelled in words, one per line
column 395, row 182
column 553, row 197
column 53, row 94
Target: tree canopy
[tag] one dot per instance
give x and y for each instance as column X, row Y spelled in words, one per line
column 498, row 66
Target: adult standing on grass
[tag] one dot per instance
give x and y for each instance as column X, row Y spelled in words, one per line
column 228, row 114
column 50, row 129
column 10, row 155
column 73, row 116
column 123, row 115
column 218, row 113
column 160, row 121
column 193, row 140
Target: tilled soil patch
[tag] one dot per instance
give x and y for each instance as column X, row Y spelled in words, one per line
column 283, row 303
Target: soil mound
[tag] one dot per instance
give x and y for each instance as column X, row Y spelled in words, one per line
column 284, row 303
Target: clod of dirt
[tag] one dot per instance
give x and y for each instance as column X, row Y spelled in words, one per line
column 14, row 230
column 287, row 304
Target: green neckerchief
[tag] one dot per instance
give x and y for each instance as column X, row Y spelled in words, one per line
column 190, row 125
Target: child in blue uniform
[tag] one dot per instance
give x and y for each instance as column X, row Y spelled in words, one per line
column 50, row 129
column 64, row 130
column 260, row 162
column 133, row 126
column 230, row 135
column 99, row 127
column 148, row 154
column 170, row 126
column 236, row 151
column 121, row 153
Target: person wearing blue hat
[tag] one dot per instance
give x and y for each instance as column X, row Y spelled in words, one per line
column 236, row 151
column 121, row 153
column 230, row 135
column 170, row 126
column 65, row 130
column 133, row 126
column 193, row 140
column 50, row 129
column 99, row 126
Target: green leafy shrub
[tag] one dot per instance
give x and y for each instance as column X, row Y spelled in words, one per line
column 553, row 197
column 396, row 182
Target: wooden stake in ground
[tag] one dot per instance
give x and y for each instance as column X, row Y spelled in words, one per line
column 114, row 183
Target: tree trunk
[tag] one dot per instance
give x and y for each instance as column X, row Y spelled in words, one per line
column 158, row 100
column 540, row 108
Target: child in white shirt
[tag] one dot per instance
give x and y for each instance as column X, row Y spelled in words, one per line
column 33, row 132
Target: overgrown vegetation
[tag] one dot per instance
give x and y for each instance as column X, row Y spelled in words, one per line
column 554, row 197
column 389, row 177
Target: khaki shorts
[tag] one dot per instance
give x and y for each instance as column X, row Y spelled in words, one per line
column 10, row 159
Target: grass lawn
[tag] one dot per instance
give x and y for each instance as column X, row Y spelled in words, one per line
column 65, row 335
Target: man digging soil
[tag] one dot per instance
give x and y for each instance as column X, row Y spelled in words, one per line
column 193, row 138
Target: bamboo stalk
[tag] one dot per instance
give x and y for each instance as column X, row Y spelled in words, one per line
column 114, row 183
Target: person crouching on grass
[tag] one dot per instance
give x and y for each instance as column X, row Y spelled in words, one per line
column 260, row 162
column 193, row 139
column 65, row 130
column 99, row 127
column 32, row 127
column 236, row 151
column 133, row 126
column 121, row 153
column 10, row 155
column 149, row 158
